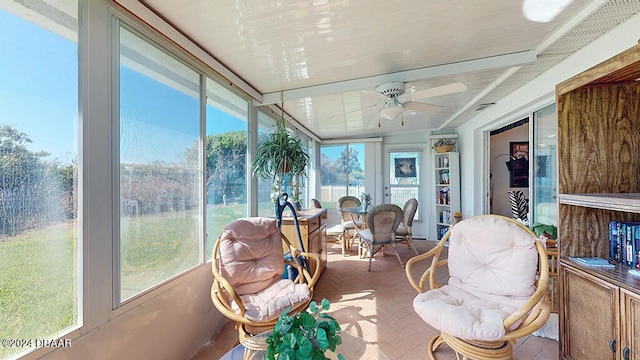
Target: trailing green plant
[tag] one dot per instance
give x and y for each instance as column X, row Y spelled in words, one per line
column 278, row 154
column 304, row 336
column 443, row 142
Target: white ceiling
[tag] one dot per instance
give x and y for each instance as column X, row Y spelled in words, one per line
column 328, row 56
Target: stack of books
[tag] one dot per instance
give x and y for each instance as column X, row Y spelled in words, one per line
column 624, row 243
column 592, row 262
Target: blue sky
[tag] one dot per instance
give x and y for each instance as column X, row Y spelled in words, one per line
column 39, row 96
column 33, row 98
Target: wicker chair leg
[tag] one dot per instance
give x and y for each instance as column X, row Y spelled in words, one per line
column 434, row 344
column 411, row 245
column 395, row 251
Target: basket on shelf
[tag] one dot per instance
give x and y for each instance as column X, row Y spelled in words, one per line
column 443, row 148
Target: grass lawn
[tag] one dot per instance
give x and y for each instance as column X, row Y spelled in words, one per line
column 38, row 269
column 38, row 284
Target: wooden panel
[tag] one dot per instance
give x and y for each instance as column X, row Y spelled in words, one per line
column 618, row 276
column 584, row 231
column 598, row 140
column 589, row 322
column 622, row 67
column 313, row 225
column 615, row 202
column 631, row 324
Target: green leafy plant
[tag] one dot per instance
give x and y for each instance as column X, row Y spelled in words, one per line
column 443, row 142
column 550, row 231
column 304, row 336
column 278, row 154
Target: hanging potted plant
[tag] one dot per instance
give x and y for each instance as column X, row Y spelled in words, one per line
column 443, row 145
column 281, row 157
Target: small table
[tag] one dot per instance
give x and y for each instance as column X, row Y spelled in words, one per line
column 355, row 212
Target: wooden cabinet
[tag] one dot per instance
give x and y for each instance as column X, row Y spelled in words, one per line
column 446, row 191
column 609, row 314
column 591, row 323
column 599, row 181
column 313, row 230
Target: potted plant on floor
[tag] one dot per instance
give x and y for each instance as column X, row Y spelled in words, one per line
column 280, row 156
column 305, row 336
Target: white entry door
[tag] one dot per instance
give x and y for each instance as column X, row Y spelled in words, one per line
column 403, row 182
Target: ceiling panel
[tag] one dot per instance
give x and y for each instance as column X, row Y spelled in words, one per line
column 318, row 50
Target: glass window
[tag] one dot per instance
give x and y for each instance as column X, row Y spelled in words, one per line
column 39, row 258
column 160, row 166
column 226, row 160
column 266, row 207
column 342, row 172
column 544, row 199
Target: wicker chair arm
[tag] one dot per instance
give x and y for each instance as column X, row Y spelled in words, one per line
column 311, row 280
column 429, row 273
column 538, row 301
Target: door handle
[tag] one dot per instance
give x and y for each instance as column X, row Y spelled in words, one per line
column 612, row 345
column 625, row 353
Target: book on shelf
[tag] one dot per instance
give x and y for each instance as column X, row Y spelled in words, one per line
column 624, row 243
column 592, row 261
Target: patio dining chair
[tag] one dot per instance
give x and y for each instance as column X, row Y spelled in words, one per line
column 404, row 232
column 351, row 223
column 492, row 297
column 248, row 264
column 382, row 222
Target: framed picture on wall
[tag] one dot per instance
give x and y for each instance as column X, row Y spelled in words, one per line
column 519, row 164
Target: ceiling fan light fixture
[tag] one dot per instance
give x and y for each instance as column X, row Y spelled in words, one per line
column 391, row 112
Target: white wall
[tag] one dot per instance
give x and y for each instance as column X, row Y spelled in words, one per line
column 539, row 92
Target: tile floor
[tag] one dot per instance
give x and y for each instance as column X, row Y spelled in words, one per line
column 377, row 306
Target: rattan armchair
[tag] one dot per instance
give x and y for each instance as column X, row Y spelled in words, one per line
column 492, row 297
column 247, row 264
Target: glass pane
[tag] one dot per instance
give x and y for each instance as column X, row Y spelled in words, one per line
column 226, row 158
column 545, row 209
column 160, row 182
column 39, row 260
column 404, row 180
column 266, row 207
column 333, row 174
column 342, row 172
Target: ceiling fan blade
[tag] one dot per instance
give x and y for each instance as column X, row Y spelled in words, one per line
column 421, row 107
column 452, row 88
column 341, row 115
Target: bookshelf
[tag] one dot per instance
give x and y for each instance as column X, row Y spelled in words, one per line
column 599, row 182
column 446, row 190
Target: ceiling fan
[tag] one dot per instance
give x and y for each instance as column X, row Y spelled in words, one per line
column 397, row 102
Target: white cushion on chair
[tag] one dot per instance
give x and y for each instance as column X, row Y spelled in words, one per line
column 351, row 224
column 489, row 279
column 500, row 268
column 402, row 230
column 269, row 303
column 458, row 313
